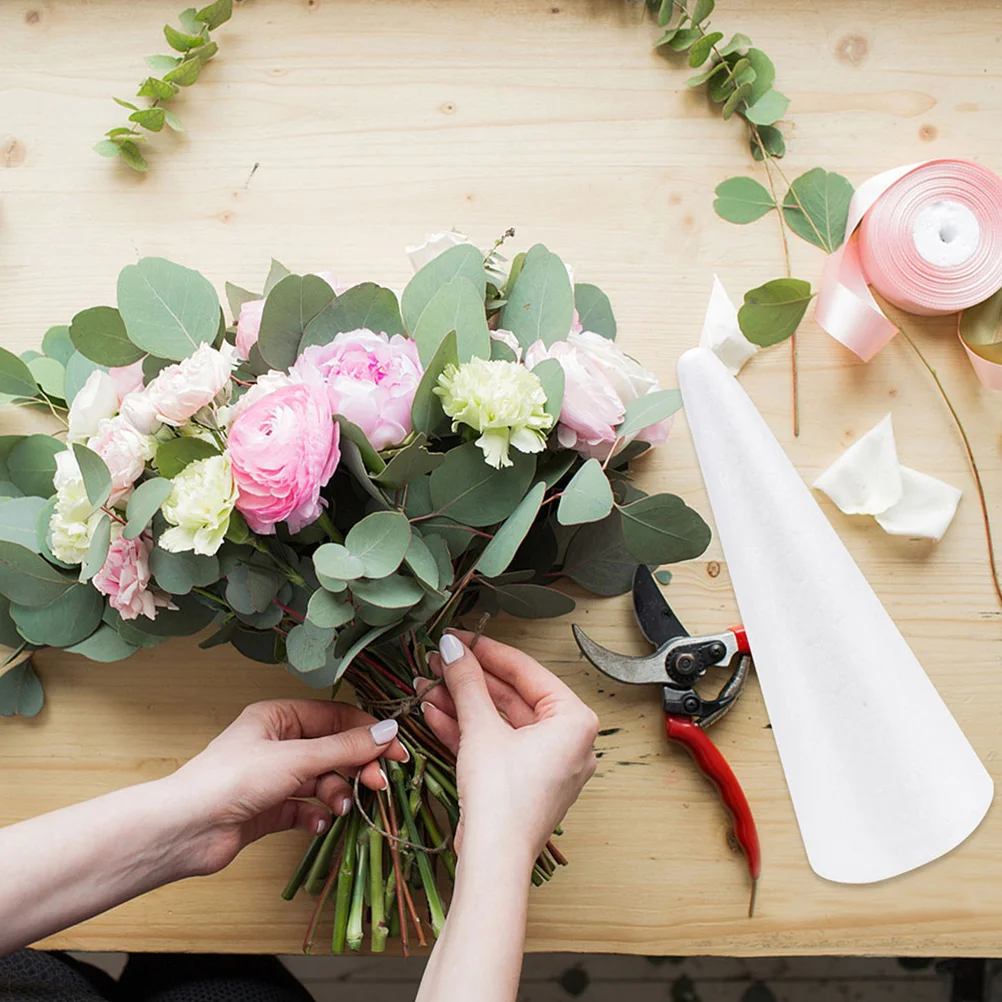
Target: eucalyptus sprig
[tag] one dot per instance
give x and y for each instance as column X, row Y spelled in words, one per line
column 196, row 48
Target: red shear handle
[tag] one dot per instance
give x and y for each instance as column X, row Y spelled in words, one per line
column 714, row 766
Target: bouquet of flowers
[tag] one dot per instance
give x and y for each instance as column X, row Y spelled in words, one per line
column 328, row 483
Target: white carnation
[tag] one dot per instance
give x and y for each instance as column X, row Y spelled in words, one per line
column 74, row 518
column 199, row 506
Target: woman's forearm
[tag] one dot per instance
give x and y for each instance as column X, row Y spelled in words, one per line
column 61, row 868
column 479, row 954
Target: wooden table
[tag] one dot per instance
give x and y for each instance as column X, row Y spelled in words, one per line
column 370, row 124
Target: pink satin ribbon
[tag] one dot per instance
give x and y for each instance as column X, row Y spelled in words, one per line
column 881, row 251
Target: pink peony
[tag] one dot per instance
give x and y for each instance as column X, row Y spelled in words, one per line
column 125, row 452
column 125, row 579
column 249, row 326
column 283, row 450
column 599, row 381
column 371, row 380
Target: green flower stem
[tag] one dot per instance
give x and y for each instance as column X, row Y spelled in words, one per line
column 433, row 773
column 398, row 923
column 345, row 883
column 321, row 865
column 296, row 880
column 435, row 909
column 378, row 892
column 353, row 933
column 328, row 526
column 319, row 906
column 435, row 837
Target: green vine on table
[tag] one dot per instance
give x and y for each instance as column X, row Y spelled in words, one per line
column 196, row 48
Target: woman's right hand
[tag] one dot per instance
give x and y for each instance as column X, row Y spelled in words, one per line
column 520, row 772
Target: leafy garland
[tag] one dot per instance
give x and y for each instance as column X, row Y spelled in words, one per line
column 197, row 48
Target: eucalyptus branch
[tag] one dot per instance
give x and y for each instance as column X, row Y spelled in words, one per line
column 196, row 48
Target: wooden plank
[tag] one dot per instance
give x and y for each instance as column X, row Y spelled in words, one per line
column 372, row 125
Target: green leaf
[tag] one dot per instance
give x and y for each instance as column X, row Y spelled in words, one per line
column 594, row 310
column 149, row 118
column 553, row 465
column 380, row 541
column 78, row 369
column 306, row 646
column 461, row 261
column 152, row 367
column 823, row 210
column 190, row 23
column 422, row 561
column 722, row 86
column 97, row 550
column 332, row 560
column 367, row 306
column 338, row 666
column 105, row 644
column 276, row 272
column 215, row 14
column 158, row 90
column 663, row 577
column 129, row 152
column 665, row 10
column 162, row 64
column 662, row 529
column 236, row 297
column 597, row 557
column 57, row 343
column 458, row 307
column 541, row 304
column 99, row 334
column 772, row 312
column 702, row 10
column 771, row 138
column 737, row 43
column 647, row 410
column 427, row 415
column 19, row 521
column 700, row 52
column 763, row 75
column 738, row 97
column 15, row 377
column 326, row 611
column 532, row 601
column 501, row 550
column 412, row 461
column 706, row 75
column 769, row 108
column 50, row 375
column 466, row 489
column 178, row 573
column 173, row 121
column 981, row 328
column 682, row 39
column 168, row 310
column 179, row 41
column 21, row 692
column 394, row 591
column 32, row 464
column 96, row 475
column 70, row 617
column 125, row 104
column 551, row 375
column 372, row 461
column 251, row 589
column 587, row 498
column 290, row 306
column 176, row 453
column 186, row 73
column 144, row 503
column 106, row 148
column 742, row 200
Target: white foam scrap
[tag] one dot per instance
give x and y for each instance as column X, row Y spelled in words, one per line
column 434, row 244
column 867, row 479
column 721, row 332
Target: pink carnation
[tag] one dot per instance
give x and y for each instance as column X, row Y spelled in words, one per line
column 249, row 326
column 125, row 579
column 283, row 449
column 371, row 380
column 125, row 452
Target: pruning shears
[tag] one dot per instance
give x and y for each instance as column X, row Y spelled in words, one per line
column 678, row 662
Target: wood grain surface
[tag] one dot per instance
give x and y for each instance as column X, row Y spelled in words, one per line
column 370, row 124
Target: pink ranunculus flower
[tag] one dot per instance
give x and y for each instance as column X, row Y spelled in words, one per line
column 283, row 449
column 371, row 380
column 125, row 452
column 599, row 381
column 125, row 579
column 249, row 326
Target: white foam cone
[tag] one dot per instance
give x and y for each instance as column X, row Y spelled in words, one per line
column 881, row 776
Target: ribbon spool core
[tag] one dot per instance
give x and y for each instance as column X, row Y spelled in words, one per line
column 946, row 233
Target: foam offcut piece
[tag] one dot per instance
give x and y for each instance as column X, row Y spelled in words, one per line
column 881, row 776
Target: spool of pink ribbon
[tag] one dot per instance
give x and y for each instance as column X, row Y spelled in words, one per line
column 928, row 238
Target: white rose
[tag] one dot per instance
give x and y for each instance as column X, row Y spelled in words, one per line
column 434, row 244
column 96, row 400
column 74, row 518
column 199, row 506
column 628, row 377
column 139, row 410
column 180, row 390
column 125, row 452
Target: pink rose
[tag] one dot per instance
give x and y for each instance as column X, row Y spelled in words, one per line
column 599, row 381
column 127, row 378
column 125, row 452
column 125, row 579
column 249, row 326
column 283, row 449
column 371, row 380
column 180, row 391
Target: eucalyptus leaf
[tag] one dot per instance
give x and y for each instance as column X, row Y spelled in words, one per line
column 373, row 462
column 440, row 551
column 333, row 560
column 769, row 108
column 662, row 529
column 701, row 78
column 104, row 644
column 70, row 617
column 31, row 464
column 763, row 75
column 326, row 611
column 215, row 14
column 379, row 541
column 236, row 297
column 144, row 503
column 594, row 310
column 465, row 488
column 817, row 208
column 130, row 153
column 251, row 589
column 276, row 272
column 742, row 200
column 738, row 98
column 394, row 591
column 180, row 41
column 97, row 549
column 16, row 379
column 769, row 137
column 700, row 52
column 501, row 550
column 532, row 601
column 149, row 118
column 95, row 473
column 50, row 375
column 412, row 461
column 551, row 375
column 597, row 557
column 649, row 409
column 289, row 307
column 427, row 415
column 457, row 306
column 178, row 573
column 21, row 692
column 162, row 64
column 185, row 73
column 78, row 370
column 158, row 90
column 306, row 646
column 421, row 560
column 367, row 306
column 106, row 148
column 339, row 665
column 772, row 312
column 541, row 303
column 258, row 645
column 168, row 310
column 176, row 453
column 588, row 496
column 19, row 520
column 57, row 343
column 737, row 43
column 461, row 261
column 702, row 10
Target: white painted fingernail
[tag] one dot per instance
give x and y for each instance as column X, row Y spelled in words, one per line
column 386, row 782
column 344, row 807
column 451, row 648
column 383, row 731
column 407, row 754
column 425, row 707
column 321, row 825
